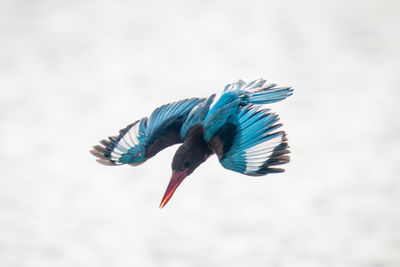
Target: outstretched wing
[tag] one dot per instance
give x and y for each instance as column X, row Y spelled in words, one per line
column 144, row 138
column 258, row 91
column 250, row 143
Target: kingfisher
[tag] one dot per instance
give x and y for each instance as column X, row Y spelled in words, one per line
column 234, row 124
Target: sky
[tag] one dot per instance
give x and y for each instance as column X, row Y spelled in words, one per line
column 74, row 72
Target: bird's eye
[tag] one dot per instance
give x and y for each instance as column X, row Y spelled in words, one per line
column 186, row 164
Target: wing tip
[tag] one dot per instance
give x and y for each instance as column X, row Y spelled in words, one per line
column 103, row 155
column 279, row 156
column 107, row 162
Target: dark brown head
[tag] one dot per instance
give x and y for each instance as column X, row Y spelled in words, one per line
column 188, row 157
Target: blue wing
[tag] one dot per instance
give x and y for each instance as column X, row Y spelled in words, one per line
column 144, row 138
column 250, row 144
column 257, row 92
column 219, row 118
column 237, row 95
column 196, row 115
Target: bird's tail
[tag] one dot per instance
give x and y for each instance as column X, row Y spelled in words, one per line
column 259, row 92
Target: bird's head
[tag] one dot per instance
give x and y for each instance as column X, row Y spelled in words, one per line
column 187, row 158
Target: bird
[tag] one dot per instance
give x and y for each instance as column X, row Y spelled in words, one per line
column 234, row 124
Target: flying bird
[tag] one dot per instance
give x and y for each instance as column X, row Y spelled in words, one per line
column 235, row 125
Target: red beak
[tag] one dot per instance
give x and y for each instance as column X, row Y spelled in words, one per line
column 176, row 180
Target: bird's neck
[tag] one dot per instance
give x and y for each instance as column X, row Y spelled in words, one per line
column 195, row 138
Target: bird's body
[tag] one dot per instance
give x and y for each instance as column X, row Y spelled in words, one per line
column 233, row 125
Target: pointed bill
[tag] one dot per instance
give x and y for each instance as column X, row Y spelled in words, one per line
column 176, row 180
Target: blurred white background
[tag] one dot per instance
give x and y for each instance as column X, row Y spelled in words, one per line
column 74, row 72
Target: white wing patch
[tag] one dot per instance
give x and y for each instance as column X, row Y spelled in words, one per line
column 115, row 156
column 215, row 101
column 127, row 141
column 133, row 134
column 257, row 155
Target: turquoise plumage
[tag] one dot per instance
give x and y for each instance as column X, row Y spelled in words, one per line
column 234, row 125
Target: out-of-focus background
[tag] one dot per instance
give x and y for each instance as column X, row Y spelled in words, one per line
column 74, row 72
